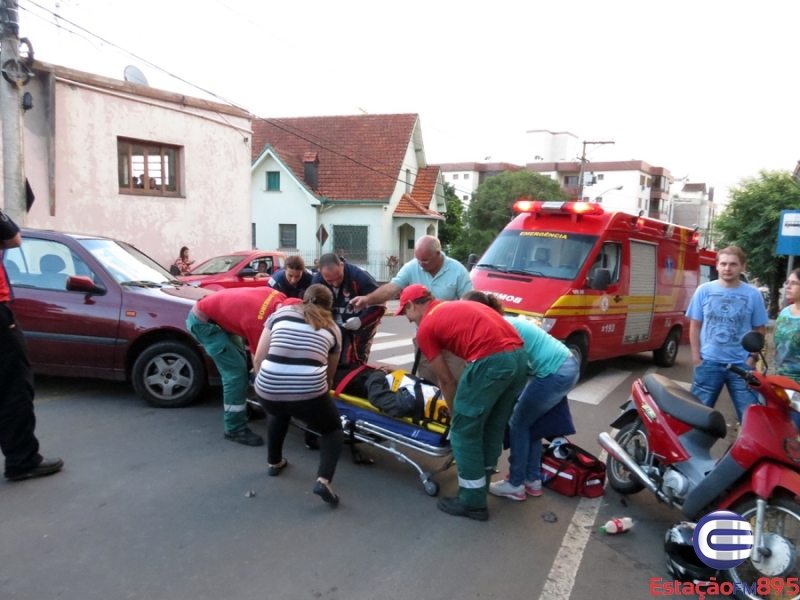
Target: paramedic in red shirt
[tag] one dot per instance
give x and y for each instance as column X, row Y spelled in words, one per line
column 482, row 400
column 218, row 321
column 17, row 421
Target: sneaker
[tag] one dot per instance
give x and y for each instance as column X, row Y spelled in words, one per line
column 245, row 437
column 453, row 506
column 533, row 488
column 505, row 489
column 48, row 466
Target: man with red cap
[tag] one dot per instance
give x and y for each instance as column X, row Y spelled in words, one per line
column 218, row 321
column 482, row 400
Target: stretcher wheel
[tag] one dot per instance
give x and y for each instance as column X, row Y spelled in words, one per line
column 431, row 487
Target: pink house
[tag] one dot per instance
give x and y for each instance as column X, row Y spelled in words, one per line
column 154, row 168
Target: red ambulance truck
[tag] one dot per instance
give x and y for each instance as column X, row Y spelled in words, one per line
column 606, row 283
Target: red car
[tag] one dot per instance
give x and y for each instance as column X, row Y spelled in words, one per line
column 248, row 268
column 96, row 307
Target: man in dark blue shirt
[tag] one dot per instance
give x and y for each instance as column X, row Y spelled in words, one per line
column 347, row 281
column 293, row 279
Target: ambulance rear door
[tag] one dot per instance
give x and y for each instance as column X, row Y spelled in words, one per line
column 642, row 292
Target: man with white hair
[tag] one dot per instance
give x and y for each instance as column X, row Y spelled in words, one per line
column 444, row 277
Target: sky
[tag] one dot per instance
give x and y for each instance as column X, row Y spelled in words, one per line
column 705, row 88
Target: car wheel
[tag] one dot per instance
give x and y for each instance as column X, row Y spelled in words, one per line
column 577, row 346
column 666, row 355
column 168, row 374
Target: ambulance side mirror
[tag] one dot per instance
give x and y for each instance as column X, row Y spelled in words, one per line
column 472, row 261
column 600, row 280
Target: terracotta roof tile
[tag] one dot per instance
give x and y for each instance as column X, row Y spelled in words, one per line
column 425, row 185
column 360, row 156
column 410, row 207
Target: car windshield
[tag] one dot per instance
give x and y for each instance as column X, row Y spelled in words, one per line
column 550, row 254
column 126, row 264
column 220, row 264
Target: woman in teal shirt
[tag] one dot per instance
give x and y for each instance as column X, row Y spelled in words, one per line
column 787, row 335
column 554, row 373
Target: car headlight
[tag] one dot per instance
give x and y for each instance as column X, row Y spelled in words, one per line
column 548, row 324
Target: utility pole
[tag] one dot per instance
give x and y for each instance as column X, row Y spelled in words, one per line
column 11, row 115
column 583, row 163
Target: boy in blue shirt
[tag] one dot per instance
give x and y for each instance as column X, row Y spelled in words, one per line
column 721, row 313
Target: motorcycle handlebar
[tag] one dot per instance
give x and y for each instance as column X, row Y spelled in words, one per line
column 746, row 375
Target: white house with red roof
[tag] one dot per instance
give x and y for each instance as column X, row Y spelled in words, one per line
column 363, row 178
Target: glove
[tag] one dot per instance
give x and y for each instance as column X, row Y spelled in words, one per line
column 352, row 323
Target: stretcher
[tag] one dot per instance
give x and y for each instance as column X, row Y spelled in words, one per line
column 362, row 422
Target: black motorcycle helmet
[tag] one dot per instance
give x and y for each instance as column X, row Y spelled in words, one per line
column 682, row 561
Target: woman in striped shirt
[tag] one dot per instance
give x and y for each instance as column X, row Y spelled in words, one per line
column 297, row 357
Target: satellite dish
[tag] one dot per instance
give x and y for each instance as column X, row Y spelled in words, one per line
column 135, row 75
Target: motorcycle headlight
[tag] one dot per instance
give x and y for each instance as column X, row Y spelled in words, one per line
column 792, row 397
column 548, row 324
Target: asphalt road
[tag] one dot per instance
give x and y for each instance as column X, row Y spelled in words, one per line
column 153, row 504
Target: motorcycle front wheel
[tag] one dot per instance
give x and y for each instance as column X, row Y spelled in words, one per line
column 634, row 441
column 782, row 537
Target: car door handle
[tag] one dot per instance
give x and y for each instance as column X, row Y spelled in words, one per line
column 617, row 298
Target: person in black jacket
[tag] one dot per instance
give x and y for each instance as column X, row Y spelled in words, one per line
column 347, row 281
column 17, row 420
column 293, row 279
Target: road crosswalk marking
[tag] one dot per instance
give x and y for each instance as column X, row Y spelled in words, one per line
column 393, row 344
column 403, row 359
column 598, row 387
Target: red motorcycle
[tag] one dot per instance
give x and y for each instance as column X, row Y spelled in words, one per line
column 664, row 442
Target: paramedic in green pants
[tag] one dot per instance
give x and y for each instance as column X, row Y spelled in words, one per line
column 482, row 400
column 219, row 321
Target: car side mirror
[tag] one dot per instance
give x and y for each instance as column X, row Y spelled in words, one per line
column 248, row 272
column 753, row 341
column 472, row 260
column 81, row 283
column 600, row 280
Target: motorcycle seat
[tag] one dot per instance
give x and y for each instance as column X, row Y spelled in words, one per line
column 684, row 406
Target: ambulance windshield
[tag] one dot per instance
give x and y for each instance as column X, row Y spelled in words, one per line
column 550, row 254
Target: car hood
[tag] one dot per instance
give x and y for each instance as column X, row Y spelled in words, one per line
column 194, row 278
column 185, row 292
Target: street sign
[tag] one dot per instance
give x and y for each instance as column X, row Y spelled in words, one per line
column 789, row 233
column 322, row 235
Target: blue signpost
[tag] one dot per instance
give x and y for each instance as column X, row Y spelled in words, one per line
column 789, row 233
column 789, row 237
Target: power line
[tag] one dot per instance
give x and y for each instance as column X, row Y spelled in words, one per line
column 275, row 122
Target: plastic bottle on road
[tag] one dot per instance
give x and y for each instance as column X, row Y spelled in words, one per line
column 617, row 525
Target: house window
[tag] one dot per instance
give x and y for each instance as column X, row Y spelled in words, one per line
column 466, row 198
column 148, row 168
column 466, row 175
column 253, row 236
column 455, row 176
column 288, row 235
column 571, row 180
column 600, row 177
column 350, row 241
column 408, row 181
column 273, row 181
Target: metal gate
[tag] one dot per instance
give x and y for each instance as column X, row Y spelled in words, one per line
column 642, row 293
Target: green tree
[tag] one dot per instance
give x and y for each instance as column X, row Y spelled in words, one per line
column 453, row 225
column 490, row 208
column 751, row 220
